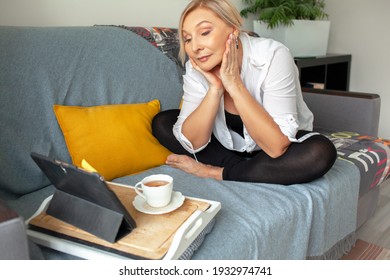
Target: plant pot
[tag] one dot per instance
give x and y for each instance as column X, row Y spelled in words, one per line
column 304, row 39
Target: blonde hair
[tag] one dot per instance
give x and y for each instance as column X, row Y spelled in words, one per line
column 222, row 8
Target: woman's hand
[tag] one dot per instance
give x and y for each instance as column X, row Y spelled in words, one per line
column 230, row 68
column 213, row 77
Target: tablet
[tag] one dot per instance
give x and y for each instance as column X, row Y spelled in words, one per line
column 83, row 199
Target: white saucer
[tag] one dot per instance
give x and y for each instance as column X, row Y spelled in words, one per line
column 176, row 201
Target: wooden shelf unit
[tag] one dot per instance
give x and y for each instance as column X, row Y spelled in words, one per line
column 331, row 71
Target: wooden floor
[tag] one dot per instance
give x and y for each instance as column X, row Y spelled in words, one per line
column 377, row 229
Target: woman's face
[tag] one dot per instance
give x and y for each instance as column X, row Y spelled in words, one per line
column 205, row 36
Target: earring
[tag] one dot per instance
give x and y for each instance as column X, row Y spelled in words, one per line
column 237, row 42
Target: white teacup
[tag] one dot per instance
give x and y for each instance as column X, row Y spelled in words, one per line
column 155, row 189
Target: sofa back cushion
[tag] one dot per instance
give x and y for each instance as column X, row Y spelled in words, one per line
column 81, row 66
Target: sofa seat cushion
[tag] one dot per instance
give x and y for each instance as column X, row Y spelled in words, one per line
column 287, row 222
column 116, row 140
column 282, row 222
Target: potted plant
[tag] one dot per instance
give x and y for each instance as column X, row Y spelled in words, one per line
column 299, row 24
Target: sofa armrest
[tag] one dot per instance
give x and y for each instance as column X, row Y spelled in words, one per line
column 13, row 241
column 343, row 110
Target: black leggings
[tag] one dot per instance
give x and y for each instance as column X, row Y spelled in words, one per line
column 302, row 162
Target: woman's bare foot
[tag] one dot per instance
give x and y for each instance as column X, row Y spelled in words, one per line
column 194, row 167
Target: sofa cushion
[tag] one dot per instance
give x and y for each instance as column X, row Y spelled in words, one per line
column 116, row 140
column 270, row 221
column 78, row 66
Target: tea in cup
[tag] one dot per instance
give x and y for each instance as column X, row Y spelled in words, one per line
column 156, row 189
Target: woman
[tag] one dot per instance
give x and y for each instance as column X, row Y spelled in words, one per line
column 243, row 117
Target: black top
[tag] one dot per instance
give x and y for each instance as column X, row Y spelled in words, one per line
column 235, row 123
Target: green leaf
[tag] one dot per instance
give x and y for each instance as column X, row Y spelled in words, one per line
column 282, row 12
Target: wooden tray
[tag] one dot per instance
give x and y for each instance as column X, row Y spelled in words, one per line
column 152, row 239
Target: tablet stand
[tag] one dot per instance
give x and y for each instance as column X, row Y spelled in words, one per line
column 95, row 219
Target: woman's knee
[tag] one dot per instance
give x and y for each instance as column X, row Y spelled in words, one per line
column 324, row 153
column 163, row 122
column 162, row 129
column 165, row 117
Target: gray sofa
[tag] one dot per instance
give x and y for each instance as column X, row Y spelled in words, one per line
column 89, row 66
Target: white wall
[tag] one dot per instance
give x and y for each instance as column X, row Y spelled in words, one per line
column 361, row 28
column 358, row 27
column 89, row 12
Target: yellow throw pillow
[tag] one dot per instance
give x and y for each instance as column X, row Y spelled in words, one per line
column 116, row 140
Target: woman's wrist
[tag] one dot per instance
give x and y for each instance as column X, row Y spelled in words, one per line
column 214, row 91
column 236, row 89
